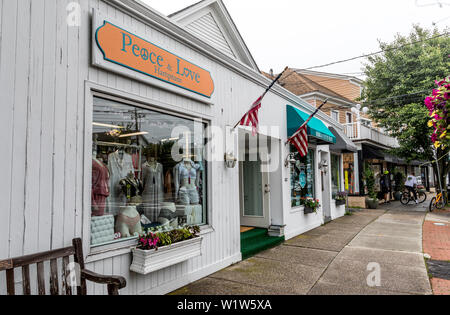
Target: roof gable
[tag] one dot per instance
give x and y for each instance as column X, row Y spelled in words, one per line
column 210, row 21
column 348, row 86
column 300, row 85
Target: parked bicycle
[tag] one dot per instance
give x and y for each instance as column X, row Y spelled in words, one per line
column 438, row 202
column 408, row 197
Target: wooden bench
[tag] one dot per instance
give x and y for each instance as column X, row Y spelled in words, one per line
column 76, row 250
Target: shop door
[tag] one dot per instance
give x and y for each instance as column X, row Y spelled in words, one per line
column 255, row 195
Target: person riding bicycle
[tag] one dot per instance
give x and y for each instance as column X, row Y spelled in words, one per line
column 411, row 185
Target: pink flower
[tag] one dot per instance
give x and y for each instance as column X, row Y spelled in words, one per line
column 434, row 137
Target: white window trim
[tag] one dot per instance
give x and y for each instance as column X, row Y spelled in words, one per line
column 335, row 112
column 347, row 114
column 96, row 90
column 297, row 209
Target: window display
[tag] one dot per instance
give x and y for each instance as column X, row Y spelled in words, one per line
column 302, row 177
column 335, row 174
column 147, row 172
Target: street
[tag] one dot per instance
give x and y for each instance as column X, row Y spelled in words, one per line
column 338, row 258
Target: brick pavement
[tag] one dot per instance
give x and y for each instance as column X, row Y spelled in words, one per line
column 436, row 243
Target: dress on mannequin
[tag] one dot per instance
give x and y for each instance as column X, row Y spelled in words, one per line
column 100, row 188
column 120, row 164
column 153, row 194
column 186, row 182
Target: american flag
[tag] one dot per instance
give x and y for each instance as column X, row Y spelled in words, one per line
column 300, row 140
column 251, row 118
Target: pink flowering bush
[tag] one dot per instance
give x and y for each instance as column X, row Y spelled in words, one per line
column 437, row 105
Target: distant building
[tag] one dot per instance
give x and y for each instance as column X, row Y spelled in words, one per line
column 373, row 143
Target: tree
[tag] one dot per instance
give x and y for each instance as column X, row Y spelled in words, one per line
column 398, row 80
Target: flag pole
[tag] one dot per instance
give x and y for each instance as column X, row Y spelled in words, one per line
column 308, row 120
column 267, row 90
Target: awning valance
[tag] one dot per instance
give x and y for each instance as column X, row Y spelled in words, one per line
column 343, row 143
column 316, row 128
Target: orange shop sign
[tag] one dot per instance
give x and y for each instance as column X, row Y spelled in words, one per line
column 130, row 51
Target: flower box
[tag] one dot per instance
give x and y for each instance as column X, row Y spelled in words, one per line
column 148, row 261
column 340, row 203
column 309, row 210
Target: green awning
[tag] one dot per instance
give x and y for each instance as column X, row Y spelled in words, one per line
column 316, row 128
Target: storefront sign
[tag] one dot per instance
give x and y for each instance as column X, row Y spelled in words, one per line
column 130, row 51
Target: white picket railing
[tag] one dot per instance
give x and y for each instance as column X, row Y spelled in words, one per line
column 358, row 131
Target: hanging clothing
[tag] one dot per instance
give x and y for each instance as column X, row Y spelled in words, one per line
column 182, row 173
column 136, row 162
column 119, row 168
column 131, row 187
column 168, row 183
column 153, row 193
column 100, row 188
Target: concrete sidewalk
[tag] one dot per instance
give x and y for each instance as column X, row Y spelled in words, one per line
column 334, row 259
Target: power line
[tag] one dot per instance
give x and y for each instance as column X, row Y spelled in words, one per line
column 397, row 96
column 375, row 53
column 437, row 2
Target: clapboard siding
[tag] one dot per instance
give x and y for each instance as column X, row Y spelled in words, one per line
column 44, row 66
column 207, row 29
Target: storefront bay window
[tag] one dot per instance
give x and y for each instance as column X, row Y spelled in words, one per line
column 302, row 177
column 335, row 174
column 148, row 172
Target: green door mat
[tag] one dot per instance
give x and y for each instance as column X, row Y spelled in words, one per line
column 256, row 241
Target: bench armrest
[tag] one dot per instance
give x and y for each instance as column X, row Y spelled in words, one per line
column 113, row 281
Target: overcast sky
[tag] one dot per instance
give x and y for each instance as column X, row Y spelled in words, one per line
column 301, row 33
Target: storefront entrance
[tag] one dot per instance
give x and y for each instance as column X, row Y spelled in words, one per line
column 255, row 194
column 254, row 179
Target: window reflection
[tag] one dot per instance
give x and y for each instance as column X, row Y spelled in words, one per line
column 147, row 172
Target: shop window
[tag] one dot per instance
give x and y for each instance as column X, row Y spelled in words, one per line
column 366, row 122
column 335, row 115
column 302, row 177
column 378, row 172
column 147, row 172
column 335, row 174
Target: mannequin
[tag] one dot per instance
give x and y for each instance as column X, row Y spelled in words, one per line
column 129, row 220
column 120, row 164
column 153, row 193
column 186, row 182
column 100, row 186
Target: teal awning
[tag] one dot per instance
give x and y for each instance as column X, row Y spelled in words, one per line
column 316, row 128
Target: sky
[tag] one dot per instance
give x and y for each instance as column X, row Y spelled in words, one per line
column 302, row 34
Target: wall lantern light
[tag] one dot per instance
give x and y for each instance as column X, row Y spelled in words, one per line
column 324, row 166
column 230, row 160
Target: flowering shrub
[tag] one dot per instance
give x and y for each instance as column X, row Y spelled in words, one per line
column 437, row 106
column 341, row 196
column 310, row 203
column 149, row 240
